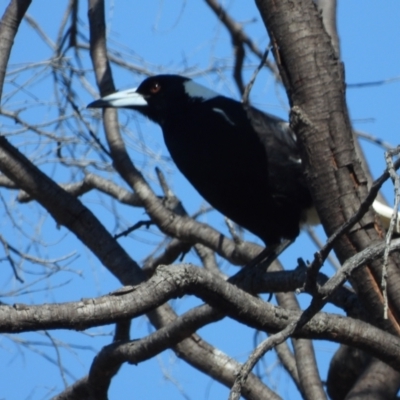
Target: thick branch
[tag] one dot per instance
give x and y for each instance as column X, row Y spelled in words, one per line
column 167, row 284
column 313, row 77
column 8, row 29
column 68, row 211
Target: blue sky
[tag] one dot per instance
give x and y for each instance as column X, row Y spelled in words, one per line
column 170, row 37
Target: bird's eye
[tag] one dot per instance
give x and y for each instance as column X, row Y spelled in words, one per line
column 155, row 88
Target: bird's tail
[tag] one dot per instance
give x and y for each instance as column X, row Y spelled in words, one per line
column 385, row 213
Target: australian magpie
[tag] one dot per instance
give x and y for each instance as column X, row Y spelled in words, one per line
column 244, row 162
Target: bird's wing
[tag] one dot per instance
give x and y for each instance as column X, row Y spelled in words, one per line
column 274, row 130
column 285, row 172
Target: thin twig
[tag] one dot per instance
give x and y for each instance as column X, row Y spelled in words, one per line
column 373, row 139
column 249, row 86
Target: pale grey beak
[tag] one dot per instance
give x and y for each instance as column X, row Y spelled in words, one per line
column 125, row 98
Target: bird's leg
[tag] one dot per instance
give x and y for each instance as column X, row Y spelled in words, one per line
column 268, row 255
column 262, row 260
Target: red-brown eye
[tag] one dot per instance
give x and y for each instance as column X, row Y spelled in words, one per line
column 155, row 88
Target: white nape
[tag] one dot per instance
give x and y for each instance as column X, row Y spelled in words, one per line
column 193, row 89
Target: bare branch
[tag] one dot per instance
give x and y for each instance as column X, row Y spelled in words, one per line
column 8, row 29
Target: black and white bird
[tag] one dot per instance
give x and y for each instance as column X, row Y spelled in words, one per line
column 244, row 162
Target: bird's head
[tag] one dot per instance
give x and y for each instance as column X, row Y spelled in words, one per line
column 158, row 97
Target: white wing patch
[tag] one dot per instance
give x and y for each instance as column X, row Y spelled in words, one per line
column 193, row 89
column 218, row 110
column 285, row 126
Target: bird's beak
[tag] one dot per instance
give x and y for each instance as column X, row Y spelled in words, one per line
column 124, row 98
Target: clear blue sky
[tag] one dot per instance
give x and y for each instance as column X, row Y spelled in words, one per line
column 175, row 36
